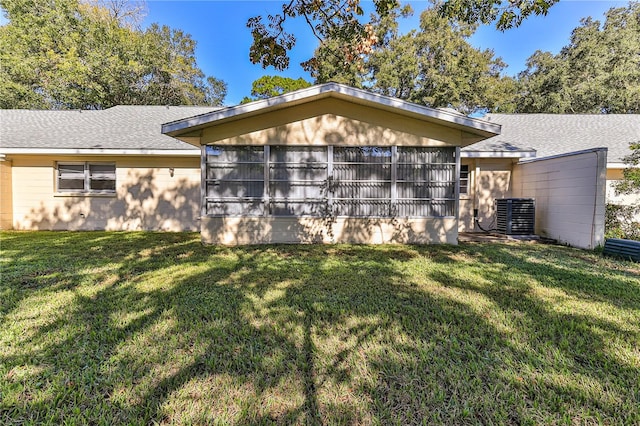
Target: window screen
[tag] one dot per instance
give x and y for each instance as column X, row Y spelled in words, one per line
column 70, row 177
column 86, row 177
column 426, row 181
column 234, row 180
column 464, row 179
column 298, row 181
column 362, row 181
column 337, row 181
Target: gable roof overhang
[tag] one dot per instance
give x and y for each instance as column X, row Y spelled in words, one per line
column 499, row 149
column 472, row 130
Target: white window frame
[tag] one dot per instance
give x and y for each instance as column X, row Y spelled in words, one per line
column 86, row 190
column 466, row 179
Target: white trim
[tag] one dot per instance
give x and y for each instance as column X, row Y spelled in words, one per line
column 473, row 125
column 498, row 154
column 614, row 165
column 566, row 154
column 100, row 151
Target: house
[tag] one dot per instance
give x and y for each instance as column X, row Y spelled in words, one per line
column 526, row 143
column 110, row 169
column 328, row 163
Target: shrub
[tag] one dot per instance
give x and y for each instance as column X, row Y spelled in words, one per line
column 622, row 221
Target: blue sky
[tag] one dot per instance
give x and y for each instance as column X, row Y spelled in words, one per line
column 219, row 27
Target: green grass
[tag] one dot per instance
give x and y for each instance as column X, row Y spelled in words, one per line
column 140, row 328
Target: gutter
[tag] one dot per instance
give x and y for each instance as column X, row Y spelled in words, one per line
column 100, row 151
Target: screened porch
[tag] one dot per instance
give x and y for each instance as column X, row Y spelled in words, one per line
column 330, row 181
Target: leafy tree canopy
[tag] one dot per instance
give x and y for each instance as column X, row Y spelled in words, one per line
column 342, row 22
column 90, row 55
column 273, row 85
column 433, row 66
column 598, row 72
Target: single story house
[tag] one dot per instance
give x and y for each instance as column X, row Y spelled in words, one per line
column 101, row 169
column 513, row 164
column 328, row 163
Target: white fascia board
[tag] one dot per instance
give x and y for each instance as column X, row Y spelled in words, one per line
column 101, row 151
column 497, row 154
column 614, row 165
column 341, row 91
column 565, row 154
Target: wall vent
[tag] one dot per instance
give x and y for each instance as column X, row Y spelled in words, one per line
column 516, row 216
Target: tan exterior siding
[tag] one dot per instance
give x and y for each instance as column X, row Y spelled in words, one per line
column 270, row 230
column 6, row 196
column 147, row 196
column 570, row 196
column 489, row 179
column 331, row 122
column 467, row 202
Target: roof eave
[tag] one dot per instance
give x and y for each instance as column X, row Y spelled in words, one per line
column 100, row 151
column 497, row 154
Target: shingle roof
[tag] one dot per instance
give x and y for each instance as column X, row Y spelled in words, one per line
column 553, row 134
column 139, row 128
column 120, row 127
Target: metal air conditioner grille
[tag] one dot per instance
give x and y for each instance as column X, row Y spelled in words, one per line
column 516, row 216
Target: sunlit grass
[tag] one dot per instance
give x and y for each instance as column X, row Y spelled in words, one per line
column 139, row 328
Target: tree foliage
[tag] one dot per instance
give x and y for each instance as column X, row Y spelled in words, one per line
column 90, row 55
column 433, row 66
column 631, row 181
column 598, row 72
column 273, row 85
column 342, row 22
column 621, row 220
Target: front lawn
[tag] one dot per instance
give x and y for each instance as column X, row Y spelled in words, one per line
column 139, row 328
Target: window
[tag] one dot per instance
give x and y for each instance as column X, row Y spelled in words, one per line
column 362, row 181
column 464, row 179
column 297, row 181
column 87, row 178
column 318, row 181
column 235, row 180
column 426, row 182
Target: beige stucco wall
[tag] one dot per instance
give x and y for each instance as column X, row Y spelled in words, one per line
column 268, row 230
column 6, row 197
column 489, row 179
column 570, row 196
column 331, row 122
column 147, row 196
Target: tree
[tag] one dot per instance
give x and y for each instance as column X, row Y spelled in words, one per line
column 342, row 22
column 273, row 85
column 598, row 72
column 433, row 66
column 621, row 221
column 72, row 54
column 631, row 181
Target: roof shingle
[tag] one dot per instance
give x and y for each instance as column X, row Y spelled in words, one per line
column 553, row 134
column 119, row 127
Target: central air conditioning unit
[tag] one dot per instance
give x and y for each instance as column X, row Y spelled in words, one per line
column 516, row 216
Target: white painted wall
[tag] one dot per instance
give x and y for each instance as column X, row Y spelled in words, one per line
column 152, row 193
column 570, row 192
